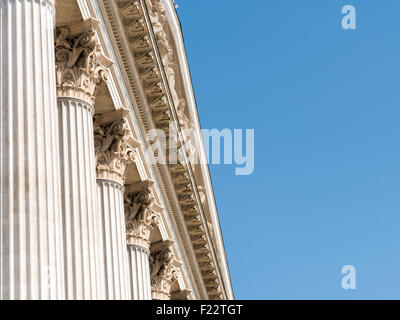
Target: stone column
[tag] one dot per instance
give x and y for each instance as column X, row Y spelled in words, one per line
column 80, row 68
column 113, row 153
column 139, row 272
column 140, row 220
column 31, row 265
column 163, row 271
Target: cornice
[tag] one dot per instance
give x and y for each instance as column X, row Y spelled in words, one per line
column 182, row 175
column 186, row 91
column 190, row 201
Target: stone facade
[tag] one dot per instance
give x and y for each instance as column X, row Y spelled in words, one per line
column 84, row 211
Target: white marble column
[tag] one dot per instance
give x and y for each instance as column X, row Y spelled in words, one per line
column 140, row 220
column 113, row 153
column 80, row 67
column 139, row 272
column 31, row 265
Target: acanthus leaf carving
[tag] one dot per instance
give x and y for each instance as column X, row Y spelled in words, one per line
column 140, row 218
column 80, row 63
column 113, row 152
column 163, row 273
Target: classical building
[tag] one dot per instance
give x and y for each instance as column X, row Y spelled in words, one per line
column 88, row 207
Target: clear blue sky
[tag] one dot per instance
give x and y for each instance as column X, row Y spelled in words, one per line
column 325, row 106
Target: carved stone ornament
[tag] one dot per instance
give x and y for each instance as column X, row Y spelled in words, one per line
column 80, row 64
column 158, row 19
column 140, row 219
column 184, row 294
column 113, row 152
column 162, row 274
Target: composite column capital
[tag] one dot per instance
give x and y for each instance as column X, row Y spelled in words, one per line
column 80, row 64
column 164, row 270
column 112, row 145
column 140, row 218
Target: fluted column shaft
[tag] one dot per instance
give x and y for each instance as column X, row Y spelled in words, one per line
column 80, row 217
column 111, row 207
column 31, row 265
column 139, row 271
column 113, row 154
column 140, row 221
